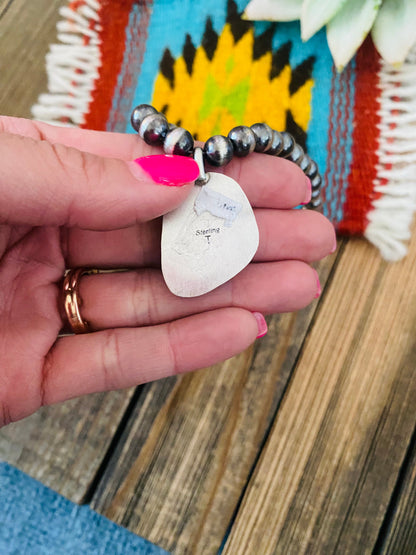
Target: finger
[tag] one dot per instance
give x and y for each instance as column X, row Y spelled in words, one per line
column 133, row 246
column 111, row 145
column 268, row 181
column 142, row 298
column 121, row 358
column 284, row 234
column 45, row 184
column 294, row 235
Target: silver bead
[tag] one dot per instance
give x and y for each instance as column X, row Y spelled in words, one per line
column 178, row 141
column 242, row 139
column 288, row 144
column 296, row 154
column 139, row 113
column 264, row 136
column 316, row 203
column 277, row 144
column 312, row 171
column 316, row 181
column 153, row 129
column 305, row 163
column 218, row 150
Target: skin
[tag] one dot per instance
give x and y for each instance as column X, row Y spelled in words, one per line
column 69, row 199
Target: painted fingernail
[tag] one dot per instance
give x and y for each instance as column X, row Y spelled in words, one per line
column 166, row 169
column 261, row 324
column 308, row 191
column 318, row 286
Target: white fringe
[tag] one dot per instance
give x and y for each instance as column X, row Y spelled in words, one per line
column 72, row 66
column 390, row 220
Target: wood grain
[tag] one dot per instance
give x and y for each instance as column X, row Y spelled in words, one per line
column 331, row 462
column 26, row 30
column 399, row 534
column 63, row 446
column 180, row 468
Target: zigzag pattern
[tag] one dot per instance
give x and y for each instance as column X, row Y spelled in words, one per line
column 231, row 78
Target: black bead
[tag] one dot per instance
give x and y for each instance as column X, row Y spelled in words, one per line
column 218, row 150
column 288, row 145
column 264, row 136
column 242, row 139
column 316, row 181
column 312, row 171
column 277, row 144
column 315, row 194
column 315, row 203
column 304, row 163
column 153, row 129
column 139, row 113
column 178, row 141
column 297, row 154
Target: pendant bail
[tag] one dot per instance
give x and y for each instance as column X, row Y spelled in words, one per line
column 199, row 159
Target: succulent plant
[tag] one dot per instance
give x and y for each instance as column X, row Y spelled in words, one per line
column 392, row 24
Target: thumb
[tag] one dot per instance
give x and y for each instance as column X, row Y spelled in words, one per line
column 52, row 184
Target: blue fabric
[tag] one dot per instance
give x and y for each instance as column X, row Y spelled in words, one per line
column 37, row 521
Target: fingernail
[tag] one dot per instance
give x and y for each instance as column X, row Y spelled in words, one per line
column 261, row 324
column 334, row 246
column 318, row 286
column 308, row 191
column 166, row 169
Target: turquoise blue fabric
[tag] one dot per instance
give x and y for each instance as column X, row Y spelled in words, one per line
column 34, row 520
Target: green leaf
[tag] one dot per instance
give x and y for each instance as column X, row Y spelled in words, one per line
column 316, row 13
column 394, row 31
column 348, row 29
column 273, row 10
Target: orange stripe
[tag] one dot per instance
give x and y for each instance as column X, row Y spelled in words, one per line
column 360, row 193
column 114, row 17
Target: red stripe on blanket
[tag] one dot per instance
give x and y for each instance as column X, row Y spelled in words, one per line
column 133, row 59
column 360, row 193
column 114, row 17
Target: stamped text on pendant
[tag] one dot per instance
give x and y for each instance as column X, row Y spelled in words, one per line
column 207, row 240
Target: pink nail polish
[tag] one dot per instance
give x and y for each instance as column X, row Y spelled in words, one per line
column 318, row 286
column 168, row 169
column 308, row 191
column 261, row 324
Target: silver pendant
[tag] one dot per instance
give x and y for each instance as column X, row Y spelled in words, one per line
column 209, row 239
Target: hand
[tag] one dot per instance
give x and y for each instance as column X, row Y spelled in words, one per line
column 70, row 198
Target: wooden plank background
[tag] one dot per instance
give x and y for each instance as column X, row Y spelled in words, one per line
column 331, row 462
column 305, row 443
column 399, row 530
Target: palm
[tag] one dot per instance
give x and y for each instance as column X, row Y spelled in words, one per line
column 31, row 264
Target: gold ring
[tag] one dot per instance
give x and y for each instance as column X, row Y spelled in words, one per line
column 73, row 301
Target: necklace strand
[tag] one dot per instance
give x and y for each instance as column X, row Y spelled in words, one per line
column 155, row 130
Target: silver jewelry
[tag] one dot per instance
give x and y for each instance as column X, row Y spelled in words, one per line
column 213, row 235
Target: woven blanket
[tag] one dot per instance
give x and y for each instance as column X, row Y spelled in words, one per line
column 208, row 70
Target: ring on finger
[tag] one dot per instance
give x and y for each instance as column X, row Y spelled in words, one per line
column 72, row 300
